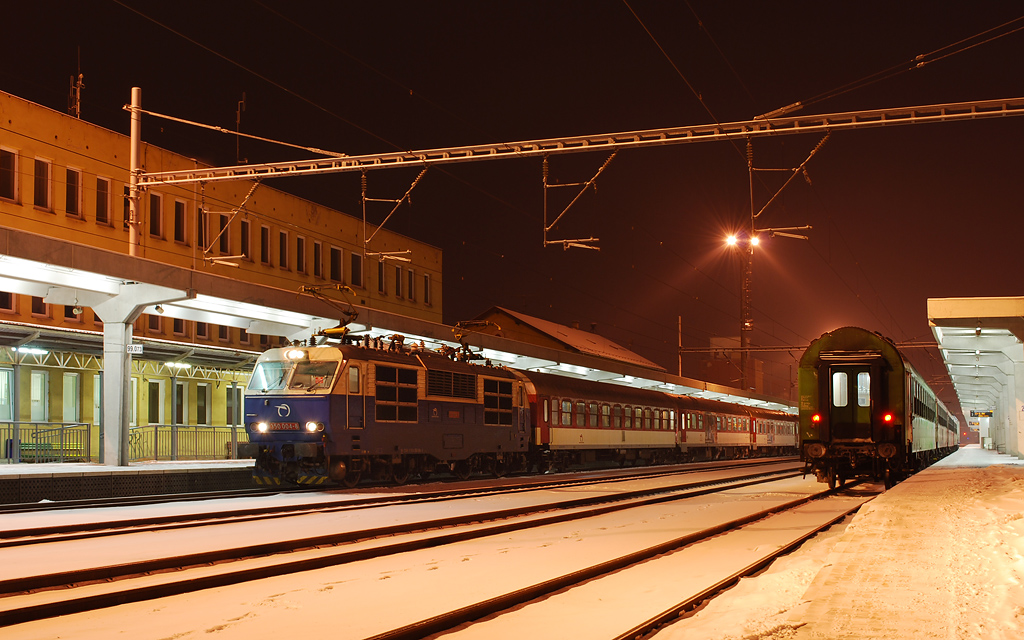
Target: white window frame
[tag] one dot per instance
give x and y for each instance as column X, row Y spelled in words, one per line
column 48, row 188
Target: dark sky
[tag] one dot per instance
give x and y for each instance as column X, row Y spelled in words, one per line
column 900, row 214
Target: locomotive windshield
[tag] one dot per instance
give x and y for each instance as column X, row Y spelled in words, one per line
column 294, row 376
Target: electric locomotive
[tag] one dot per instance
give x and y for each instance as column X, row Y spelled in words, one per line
column 346, row 412
column 865, row 411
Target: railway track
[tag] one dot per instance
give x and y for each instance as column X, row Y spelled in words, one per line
column 33, row 596
column 28, row 527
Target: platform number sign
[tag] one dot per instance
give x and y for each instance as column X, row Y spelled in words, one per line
column 134, row 349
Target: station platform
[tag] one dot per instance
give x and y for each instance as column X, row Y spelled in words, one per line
column 937, row 556
column 36, row 482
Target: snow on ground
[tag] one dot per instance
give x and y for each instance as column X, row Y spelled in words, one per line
column 956, row 531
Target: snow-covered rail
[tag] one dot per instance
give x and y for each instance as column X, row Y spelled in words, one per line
column 135, row 566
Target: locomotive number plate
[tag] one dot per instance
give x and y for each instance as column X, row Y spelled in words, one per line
column 284, row 426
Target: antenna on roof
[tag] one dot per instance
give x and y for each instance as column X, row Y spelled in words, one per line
column 75, row 93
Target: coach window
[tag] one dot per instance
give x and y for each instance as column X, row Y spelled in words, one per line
column 580, row 418
column 554, row 412
column 566, row 413
column 839, row 398
column 863, row 389
column 647, row 418
column 627, row 419
column 606, row 416
column 617, row 417
column 657, row 419
column 592, row 412
column 547, row 415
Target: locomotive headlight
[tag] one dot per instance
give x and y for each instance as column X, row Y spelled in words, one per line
column 295, row 354
column 313, row 427
column 262, row 427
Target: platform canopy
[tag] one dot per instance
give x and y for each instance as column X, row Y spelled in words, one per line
column 982, row 345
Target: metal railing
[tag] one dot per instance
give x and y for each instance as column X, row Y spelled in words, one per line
column 28, row 441
column 185, row 442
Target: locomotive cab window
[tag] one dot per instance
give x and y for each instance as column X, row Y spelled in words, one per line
column 313, row 376
column 353, row 379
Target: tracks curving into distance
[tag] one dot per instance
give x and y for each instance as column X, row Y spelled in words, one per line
column 371, row 528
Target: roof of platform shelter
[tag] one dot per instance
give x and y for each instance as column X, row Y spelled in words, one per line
column 980, row 340
column 525, row 328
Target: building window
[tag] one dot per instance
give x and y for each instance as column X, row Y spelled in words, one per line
column 202, row 330
column 73, row 193
column 7, row 301
column 180, row 234
column 41, row 184
column 179, row 327
column 246, row 248
column 38, row 307
column 222, row 333
column 318, row 260
column 202, row 226
column 203, row 402
column 336, row 264
column 282, row 249
column 243, row 336
column 156, row 209
column 265, row 245
column 300, row 254
column 102, row 201
column 380, row 276
column 411, row 292
column 154, row 323
column 398, row 282
column 70, row 315
column 225, row 245
column 356, row 273
column 8, row 174
column 426, row 289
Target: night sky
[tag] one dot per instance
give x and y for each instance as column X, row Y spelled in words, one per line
column 900, row 214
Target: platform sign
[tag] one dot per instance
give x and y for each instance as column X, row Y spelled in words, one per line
column 981, row 414
column 134, row 349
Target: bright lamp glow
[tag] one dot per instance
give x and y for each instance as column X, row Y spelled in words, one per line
column 262, row 427
column 311, row 427
column 816, row 418
column 731, row 240
column 295, row 354
column 755, row 241
column 887, row 417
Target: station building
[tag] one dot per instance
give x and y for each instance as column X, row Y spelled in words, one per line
column 63, row 188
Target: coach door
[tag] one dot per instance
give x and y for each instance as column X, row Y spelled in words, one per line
column 850, row 395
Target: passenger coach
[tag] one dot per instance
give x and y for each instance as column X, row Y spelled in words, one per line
column 865, row 411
